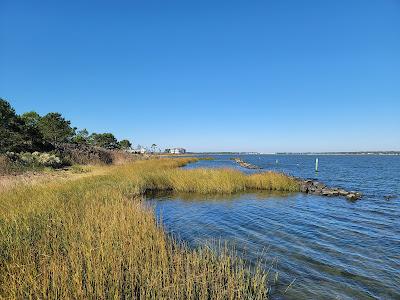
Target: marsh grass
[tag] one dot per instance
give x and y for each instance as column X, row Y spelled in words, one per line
column 164, row 174
column 92, row 238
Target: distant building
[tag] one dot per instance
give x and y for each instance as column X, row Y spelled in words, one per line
column 138, row 151
column 175, row 151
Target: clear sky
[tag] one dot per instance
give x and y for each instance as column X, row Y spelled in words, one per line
column 211, row 75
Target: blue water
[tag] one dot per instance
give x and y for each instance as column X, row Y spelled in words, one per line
column 331, row 248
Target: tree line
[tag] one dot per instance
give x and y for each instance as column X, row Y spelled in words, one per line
column 31, row 132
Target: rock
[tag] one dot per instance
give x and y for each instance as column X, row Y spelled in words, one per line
column 351, row 196
column 319, row 185
column 343, row 192
column 388, row 197
column 303, row 188
column 356, row 194
column 314, row 187
column 245, row 164
column 329, row 192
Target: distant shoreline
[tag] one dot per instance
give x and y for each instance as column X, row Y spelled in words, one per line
column 387, row 153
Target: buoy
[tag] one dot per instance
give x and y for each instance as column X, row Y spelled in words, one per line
column 316, row 165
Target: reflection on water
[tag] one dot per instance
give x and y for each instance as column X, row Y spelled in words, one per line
column 333, row 248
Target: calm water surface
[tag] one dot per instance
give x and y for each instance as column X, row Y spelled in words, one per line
column 331, row 247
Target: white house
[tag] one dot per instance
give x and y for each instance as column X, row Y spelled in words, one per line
column 176, row 151
column 138, row 151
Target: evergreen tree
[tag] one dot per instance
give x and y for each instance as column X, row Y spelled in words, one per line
column 104, row 140
column 124, row 144
column 55, row 129
column 81, row 137
column 12, row 135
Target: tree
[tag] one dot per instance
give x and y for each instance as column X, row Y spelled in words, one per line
column 33, row 135
column 11, row 129
column 125, row 144
column 31, row 119
column 104, row 140
column 81, row 137
column 55, row 129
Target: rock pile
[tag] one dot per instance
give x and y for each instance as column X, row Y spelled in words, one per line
column 244, row 164
column 315, row 187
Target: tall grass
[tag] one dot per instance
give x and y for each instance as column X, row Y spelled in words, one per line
column 163, row 174
column 92, row 238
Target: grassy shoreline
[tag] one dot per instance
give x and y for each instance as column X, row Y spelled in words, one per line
column 93, row 238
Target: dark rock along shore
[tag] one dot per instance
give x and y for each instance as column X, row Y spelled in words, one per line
column 311, row 186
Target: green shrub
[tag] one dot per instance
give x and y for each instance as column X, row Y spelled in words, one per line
column 35, row 159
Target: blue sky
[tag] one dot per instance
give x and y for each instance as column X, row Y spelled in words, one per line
column 211, row 75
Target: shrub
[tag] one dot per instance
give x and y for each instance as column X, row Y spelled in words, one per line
column 35, row 159
column 83, row 154
column 48, row 160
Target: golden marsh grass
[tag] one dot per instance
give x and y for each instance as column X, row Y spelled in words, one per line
column 92, row 238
